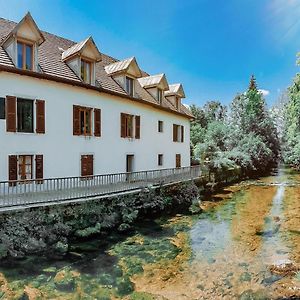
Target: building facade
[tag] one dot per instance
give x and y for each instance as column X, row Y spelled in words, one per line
column 66, row 109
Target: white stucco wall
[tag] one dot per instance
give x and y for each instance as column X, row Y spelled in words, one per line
column 62, row 150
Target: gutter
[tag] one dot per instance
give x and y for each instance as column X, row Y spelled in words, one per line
column 44, row 76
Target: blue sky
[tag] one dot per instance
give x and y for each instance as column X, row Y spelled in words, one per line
column 211, row 46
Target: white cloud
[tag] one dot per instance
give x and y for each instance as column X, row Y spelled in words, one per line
column 264, row 92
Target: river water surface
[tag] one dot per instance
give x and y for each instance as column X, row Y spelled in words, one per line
column 245, row 245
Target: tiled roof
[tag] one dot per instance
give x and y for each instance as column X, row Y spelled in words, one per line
column 51, row 63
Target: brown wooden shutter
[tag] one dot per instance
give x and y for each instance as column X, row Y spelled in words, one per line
column 76, row 123
column 40, row 116
column 175, row 133
column 87, row 165
column 11, row 114
column 123, row 125
column 39, row 168
column 137, row 127
column 12, row 169
column 178, row 160
column 97, row 122
column 182, row 134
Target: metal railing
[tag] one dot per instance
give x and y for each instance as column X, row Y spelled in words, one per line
column 35, row 191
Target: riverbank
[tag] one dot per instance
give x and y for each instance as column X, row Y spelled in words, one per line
column 49, row 230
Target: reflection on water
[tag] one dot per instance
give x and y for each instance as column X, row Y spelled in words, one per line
column 246, row 246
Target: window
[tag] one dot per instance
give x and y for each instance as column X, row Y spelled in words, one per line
column 25, row 56
column 87, row 165
column 160, row 126
column 160, row 159
column 178, row 133
column 85, row 121
column 159, row 95
column 24, row 115
column 130, row 126
column 129, row 86
column 86, row 71
column 25, row 167
column 177, row 99
column 178, row 160
column 2, row 108
column 20, row 167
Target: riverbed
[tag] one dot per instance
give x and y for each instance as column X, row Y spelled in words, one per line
column 244, row 245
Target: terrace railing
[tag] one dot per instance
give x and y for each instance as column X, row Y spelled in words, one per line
column 53, row 190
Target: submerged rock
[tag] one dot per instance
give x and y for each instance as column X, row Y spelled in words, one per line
column 252, row 295
column 245, row 277
column 270, row 280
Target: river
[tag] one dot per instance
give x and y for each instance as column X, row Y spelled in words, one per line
column 244, row 245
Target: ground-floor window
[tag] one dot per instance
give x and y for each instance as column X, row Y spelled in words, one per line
column 129, row 163
column 178, row 160
column 87, row 165
column 25, row 167
column 160, row 158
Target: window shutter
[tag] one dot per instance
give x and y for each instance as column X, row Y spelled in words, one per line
column 12, row 169
column 123, row 126
column 182, row 134
column 97, row 122
column 137, row 127
column 178, row 160
column 39, row 168
column 87, row 165
column 40, row 116
column 175, row 133
column 76, row 124
column 11, row 116
column 90, row 165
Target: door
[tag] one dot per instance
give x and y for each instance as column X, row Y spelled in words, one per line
column 178, row 160
column 129, row 163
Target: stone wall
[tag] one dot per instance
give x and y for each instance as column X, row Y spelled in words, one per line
column 49, row 230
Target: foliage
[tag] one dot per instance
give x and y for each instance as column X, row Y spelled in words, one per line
column 292, row 125
column 246, row 138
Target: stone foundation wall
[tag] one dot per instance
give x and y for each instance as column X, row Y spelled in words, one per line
column 49, row 230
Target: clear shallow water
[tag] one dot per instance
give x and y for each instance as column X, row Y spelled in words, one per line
column 227, row 252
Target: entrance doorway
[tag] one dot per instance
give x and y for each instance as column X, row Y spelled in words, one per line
column 129, row 163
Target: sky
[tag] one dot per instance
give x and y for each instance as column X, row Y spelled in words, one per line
column 212, row 47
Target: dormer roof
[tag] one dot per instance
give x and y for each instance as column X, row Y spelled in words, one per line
column 175, row 89
column 159, row 81
column 128, row 66
column 26, row 29
column 87, row 48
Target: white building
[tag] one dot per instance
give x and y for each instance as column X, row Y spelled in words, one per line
column 66, row 109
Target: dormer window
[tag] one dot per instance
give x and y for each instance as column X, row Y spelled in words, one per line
column 129, row 86
column 86, row 71
column 25, row 56
column 159, row 95
column 82, row 58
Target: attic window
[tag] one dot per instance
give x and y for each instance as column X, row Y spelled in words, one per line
column 25, row 55
column 129, row 86
column 159, row 95
column 86, row 71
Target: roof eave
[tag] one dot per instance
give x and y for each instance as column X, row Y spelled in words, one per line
column 44, row 76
